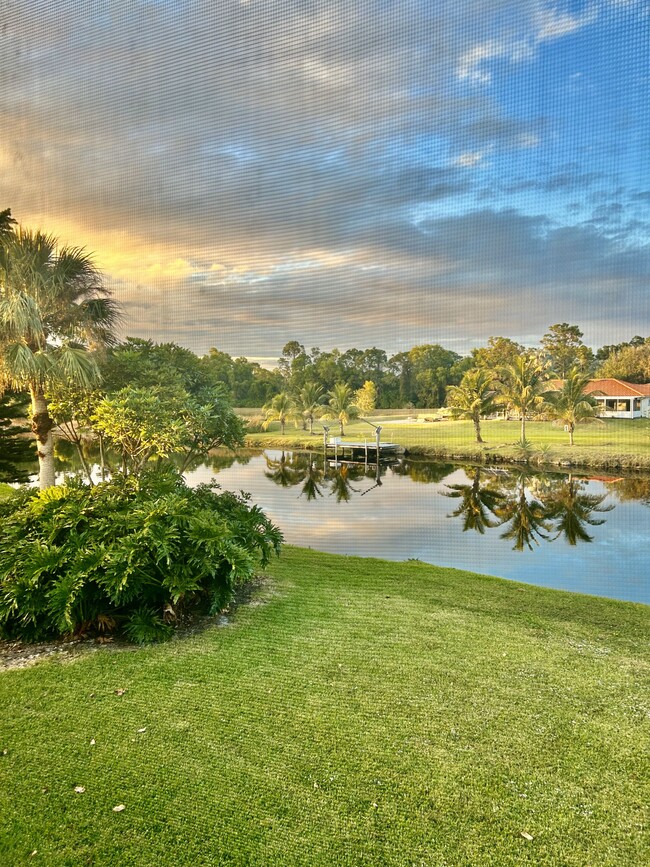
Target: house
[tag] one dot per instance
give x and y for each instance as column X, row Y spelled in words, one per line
column 619, row 399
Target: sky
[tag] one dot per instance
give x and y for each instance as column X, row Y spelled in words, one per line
column 373, row 173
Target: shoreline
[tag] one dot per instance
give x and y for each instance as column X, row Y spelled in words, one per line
column 487, row 455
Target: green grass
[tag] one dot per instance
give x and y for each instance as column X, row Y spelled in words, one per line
column 367, row 713
column 616, row 443
column 6, row 491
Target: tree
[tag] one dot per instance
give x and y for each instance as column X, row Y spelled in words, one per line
column 53, row 310
column 570, row 405
column 365, row 398
column 498, row 352
column 565, row 350
column 309, row 403
column 431, row 370
column 15, row 450
column 341, row 406
column 522, row 385
column 476, row 396
column 630, row 363
column 142, row 423
column 148, row 423
column 281, row 408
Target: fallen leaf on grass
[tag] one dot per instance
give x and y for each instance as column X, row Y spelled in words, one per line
column 92, row 742
column 120, row 691
column 119, row 808
column 526, row 835
column 140, row 731
column 80, row 789
column 35, row 852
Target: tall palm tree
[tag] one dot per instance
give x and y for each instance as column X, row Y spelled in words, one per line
column 309, row 402
column 53, row 310
column 281, row 408
column 473, row 398
column 341, row 404
column 570, row 405
column 523, row 386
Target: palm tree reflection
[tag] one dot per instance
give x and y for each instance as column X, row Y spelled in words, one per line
column 530, row 508
column 478, row 505
column 571, row 509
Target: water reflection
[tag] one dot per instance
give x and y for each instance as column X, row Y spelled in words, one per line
column 479, row 504
column 532, row 507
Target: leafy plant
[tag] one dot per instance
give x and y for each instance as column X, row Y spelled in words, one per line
column 127, row 553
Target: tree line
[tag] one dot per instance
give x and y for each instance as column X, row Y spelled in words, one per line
column 420, row 376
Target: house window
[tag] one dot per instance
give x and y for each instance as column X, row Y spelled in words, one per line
column 623, row 406
column 637, row 404
column 610, row 405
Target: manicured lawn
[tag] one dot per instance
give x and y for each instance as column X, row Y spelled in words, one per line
column 615, row 442
column 366, row 713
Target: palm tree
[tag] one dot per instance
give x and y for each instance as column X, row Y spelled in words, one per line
column 281, row 408
column 341, row 407
column 570, row 405
column 309, row 402
column 523, row 386
column 53, row 310
column 473, row 398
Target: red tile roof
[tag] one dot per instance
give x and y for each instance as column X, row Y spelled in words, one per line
column 617, row 388
column 610, row 387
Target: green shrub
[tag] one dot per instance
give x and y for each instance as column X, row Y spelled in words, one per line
column 133, row 554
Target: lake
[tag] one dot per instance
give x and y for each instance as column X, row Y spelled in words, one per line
column 584, row 532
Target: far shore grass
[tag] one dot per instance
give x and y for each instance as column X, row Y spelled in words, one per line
column 355, row 712
column 617, row 444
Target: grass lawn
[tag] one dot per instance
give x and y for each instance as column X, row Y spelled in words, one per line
column 617, row 443
column 5, row 491
column 359, row 712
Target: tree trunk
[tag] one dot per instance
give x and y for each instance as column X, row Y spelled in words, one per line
column 477, row 428
column 570, row 434
column 523, row 427
column 341, row 426
column 282, row 424
column 42, row 430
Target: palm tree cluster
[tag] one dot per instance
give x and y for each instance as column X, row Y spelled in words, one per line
column 522, row 386
column 308, row 405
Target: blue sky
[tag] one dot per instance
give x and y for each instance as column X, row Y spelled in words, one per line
column 341, row 173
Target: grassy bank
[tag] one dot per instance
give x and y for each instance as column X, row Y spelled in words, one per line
column 361, row 712
column 614, row 444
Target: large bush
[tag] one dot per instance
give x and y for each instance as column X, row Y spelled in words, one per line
column 132, row 554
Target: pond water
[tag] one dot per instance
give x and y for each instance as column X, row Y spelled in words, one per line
column 589, row 534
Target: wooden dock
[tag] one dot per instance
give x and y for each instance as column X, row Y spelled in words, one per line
column 362, row 452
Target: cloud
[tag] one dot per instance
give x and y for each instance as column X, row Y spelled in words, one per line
column 248, row 171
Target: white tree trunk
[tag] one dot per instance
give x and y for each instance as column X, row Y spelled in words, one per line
column 42, row 429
